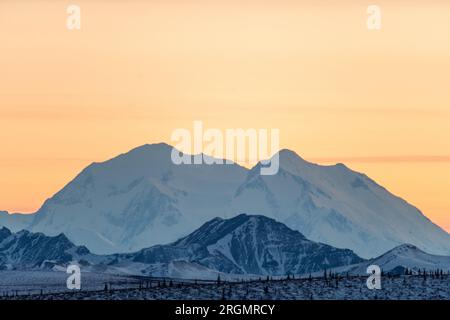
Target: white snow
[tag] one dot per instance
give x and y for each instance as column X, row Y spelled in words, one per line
column 351, row 288
column 140, row 198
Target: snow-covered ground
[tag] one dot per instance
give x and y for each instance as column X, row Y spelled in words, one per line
column 351, row 288
column 35, row 282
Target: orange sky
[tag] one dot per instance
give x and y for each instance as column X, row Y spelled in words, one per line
column 377, row 100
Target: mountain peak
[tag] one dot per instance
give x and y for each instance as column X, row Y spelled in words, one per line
column 403, row 248
column 292, row 162
column 290, row 155
column 27, row 250
column 4, row 229
column 61, row 237
column 4, row 233
column 143, row 152
column 407, row 246
column 154, row 150
column 217, row 228
column 141, row 198
column 252, row 244
column 244, row 217
column 154, row 147
column 24, row 232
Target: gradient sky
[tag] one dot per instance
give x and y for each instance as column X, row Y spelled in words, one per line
column 378, row 101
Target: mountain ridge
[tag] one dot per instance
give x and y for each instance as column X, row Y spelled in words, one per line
column 249, row 244
column 240, row 245
column 27, row 250
column 399, row 259
column 140, row 198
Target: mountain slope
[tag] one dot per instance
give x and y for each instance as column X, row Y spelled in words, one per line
column 136, row 200
column 403, row 257
column 141, row 198
column 15, row 222
column 246, row 245
column 243, row 245
column 26, row 250
column 337, row 206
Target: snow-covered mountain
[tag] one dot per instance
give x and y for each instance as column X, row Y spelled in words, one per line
column 141, row 198
column 338, row 206
column 26, row 250
column 403, row 257
column 243, row 245
column 246, row 245
column 137, row 200
column 15, row 222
